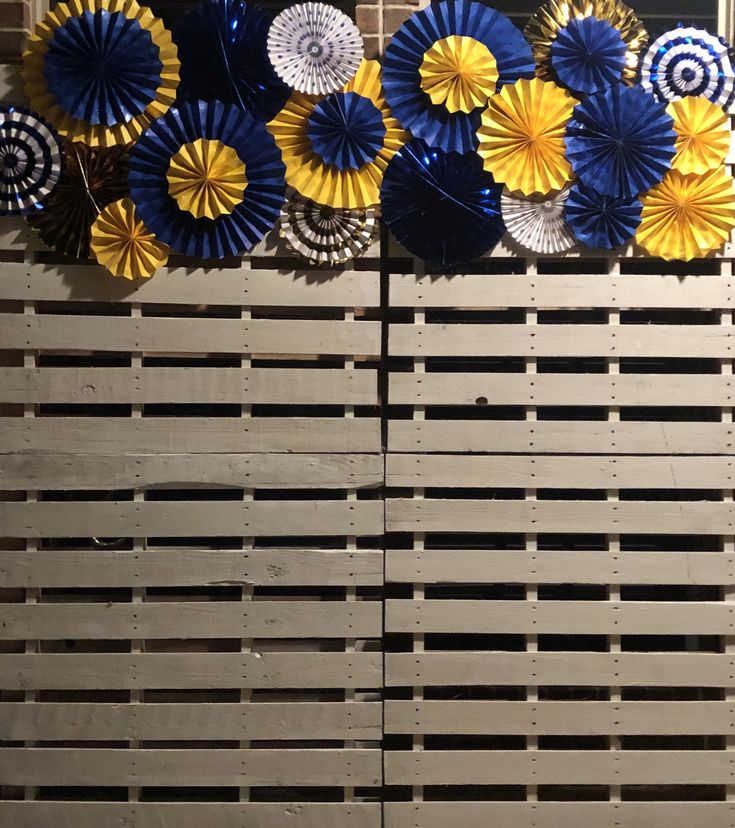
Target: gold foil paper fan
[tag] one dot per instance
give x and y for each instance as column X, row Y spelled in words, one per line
column 703, row 134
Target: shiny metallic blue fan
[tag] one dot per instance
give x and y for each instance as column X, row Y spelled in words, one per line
column 621, row 142
column 450, row 131
column 441, row 206
column 599, row 220
column 223, row 52
column 230, row 233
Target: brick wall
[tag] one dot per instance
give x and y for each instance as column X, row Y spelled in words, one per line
column 15, row 22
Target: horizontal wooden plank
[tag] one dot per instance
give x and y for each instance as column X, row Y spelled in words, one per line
column 548, row 718
column 559, row 617
column 174, row 435
column 556, row 437
column 490, row 566
column 191, row 567
column 271, row 518
column 191, row 814
column 559, row 472
column 449, row 388
column 161, row 334
column 595, row 516
column 555, row 814
column 189, row 670
column 552, row 767
column 561, row 291
column 172, row 722
column 295, row 386
column 249, row 471
column 475, row 340
column 185, row 286
column 201, row 768
column 578, row 669
column 193, row 619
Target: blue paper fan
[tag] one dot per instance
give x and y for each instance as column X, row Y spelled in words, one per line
column 621, row 142
column 588, row 55
column 102, row 67
column 224, row 57
column 229, row 234
column 30, row 160
column 346, row 130
column 601, row 221
column 450, row 131
column 441, row 206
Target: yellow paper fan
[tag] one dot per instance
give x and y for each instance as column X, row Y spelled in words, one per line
column 36, row 72
column 327, row 183
column 206, row 178
column 522, row 136
column 703, row 134
column 687, row 216
column 123, row 244
column 547, row 20
column 458, row 72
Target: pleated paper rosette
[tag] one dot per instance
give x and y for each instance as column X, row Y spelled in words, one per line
column 621, row 142
column 207, row 179
column 30, row 160
column 687, row 217
column 336, row 148
column 702, row 135
column 443, row 64
column 224, row 57
column 538, row 223
column 522, row 136
column 101, row 70
column 92, row 178
column 123, row 244
column 600, row 221
column 595, row 46
column 441, row 206
column 689, row 61
column 314, row 48
column 324, row 235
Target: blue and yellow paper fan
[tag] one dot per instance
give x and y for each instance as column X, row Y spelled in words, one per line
column 441, row 206
column 207, row 179
column 601, row 221
column 444, row 63
column 621, row 142
column 223, row 48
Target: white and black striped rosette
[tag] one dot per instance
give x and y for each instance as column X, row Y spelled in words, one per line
column 30, row 160
column 314, row 48
column 688, row 61
column 325, row 235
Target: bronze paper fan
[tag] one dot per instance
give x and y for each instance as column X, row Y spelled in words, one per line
column 93, row 177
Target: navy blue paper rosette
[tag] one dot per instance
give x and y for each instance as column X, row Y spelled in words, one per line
column 243, row 218
column 30, row 160
column 429, row 28
column 224, row 57
column 621, row 142
column 441, row 206
column 346, row 131
column 588, row 55
column 689, row 61
column 602, row 221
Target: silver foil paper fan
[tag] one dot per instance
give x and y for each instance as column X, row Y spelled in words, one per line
column 314, row 48
column 538, row 224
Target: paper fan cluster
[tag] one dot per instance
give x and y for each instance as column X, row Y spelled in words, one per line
column 575, row 131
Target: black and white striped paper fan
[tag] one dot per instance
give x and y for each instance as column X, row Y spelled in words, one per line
column 314, row 48
column 689, row 61
column 325, row 235
column 30, row 160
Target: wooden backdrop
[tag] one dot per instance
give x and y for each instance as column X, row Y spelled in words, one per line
column 285, row 547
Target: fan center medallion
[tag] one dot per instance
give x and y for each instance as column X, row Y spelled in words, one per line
column 459, row 73
column 207, row 178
